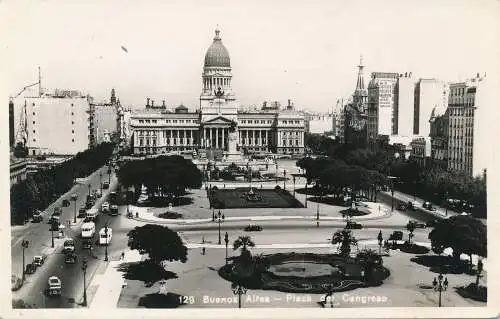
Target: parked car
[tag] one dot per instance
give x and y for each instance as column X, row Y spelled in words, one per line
column 82, row 212
column 30, row 269
column 57, row 211
column 38, row 260
column 16, row 282
column 402, row 207
column 65, row 203
column 105, row 185
column 253, row 227
column 54, row 286
column 432, row 223
column 428, row 206
column 419, row 224
column 396, row 235
column 98, row 194
column 353, row 225
column 74, row 197
column 410, row 206
column 37, row 217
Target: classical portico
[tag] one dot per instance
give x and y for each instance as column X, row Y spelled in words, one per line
column 215, row 133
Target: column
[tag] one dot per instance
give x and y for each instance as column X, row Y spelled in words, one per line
column 223, row 135
column 210, row 143
column 217, row 137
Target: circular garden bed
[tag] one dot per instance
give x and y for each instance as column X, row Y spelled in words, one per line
column 305, row 273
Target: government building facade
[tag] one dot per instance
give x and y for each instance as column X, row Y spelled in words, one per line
column 218, row 124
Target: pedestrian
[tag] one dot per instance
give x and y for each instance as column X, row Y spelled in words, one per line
column 122, row 256
column 203, row 251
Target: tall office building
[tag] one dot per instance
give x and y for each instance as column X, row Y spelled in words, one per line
column 429, row 94
column 404, row 105
column 381, row 104
column 468, row 106
column 55, row 123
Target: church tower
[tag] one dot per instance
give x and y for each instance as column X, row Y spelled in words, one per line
column 360, row 96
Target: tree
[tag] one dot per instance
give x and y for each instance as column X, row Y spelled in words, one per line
column 159, row 242
column 410, row 227
column 464, row 234
column 345, row 238
column 244, row 242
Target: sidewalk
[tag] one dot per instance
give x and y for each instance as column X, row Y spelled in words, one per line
column 109, row 285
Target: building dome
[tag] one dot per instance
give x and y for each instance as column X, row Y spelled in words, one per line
column 217, row 54
column 181, row 109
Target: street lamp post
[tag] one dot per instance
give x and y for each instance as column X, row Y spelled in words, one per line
column 74, row 215
column 89, row 186
column 109, row 174
column 293, row 186
column 440, row 285
column 220, row 219
column 305, row 204
column 100, row 181
column 276, row 172
column 380, row 239
column 479, row 270
column 239, row 290
column 284, row 179
column 25, row 245
column 52, row 228
column 446, row 204
column 84, row 268
column 106, row 246
column 226, row 240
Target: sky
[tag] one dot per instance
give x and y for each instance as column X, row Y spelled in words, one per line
column 307, row 51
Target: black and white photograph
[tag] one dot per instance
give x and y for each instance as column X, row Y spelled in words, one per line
column 320, row 157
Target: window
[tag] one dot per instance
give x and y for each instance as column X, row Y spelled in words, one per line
column 33, row 104
column 72, row 104
column 33, row 113
column 34, row 140
column 73, row 140
column 33, row 122
column 71, row 113
column 141, row 121
column 72, row 122
column 72, row 131
column 33, row 131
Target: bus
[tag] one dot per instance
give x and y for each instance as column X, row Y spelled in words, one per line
column 88, row 230
column 112, row 197
column 105, row 238
column 92, row 214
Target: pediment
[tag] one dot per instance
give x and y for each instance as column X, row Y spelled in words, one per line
column 218, row 120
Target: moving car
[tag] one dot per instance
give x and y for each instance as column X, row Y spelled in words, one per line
column 402, row 207
column 70, row 258
column 38, row 260
column 65, row 203
column 113, row 210
column 54, row 224
column 105, row 207
column 69, row 245
column 37, row 217
column 105, row 185
column 16, row 282
column 87, row 244
column 353, row 225
column 419, row 224
column 54, row 286
column 88, row 230
column 253, row 227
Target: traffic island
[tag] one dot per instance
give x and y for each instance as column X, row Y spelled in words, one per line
column 444, row 264
column 169, row 215
column 477, row 293
column 304, row 273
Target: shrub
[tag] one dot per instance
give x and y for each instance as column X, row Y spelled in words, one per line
column 477, row 293
column 413, row 248
column 277, row 188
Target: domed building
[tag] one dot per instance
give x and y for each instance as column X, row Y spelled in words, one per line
column 218, row 125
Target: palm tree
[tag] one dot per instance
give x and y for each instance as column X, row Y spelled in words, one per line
column 346, row 239
column 243, row 242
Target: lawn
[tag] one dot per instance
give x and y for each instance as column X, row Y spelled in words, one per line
column 235, row 198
